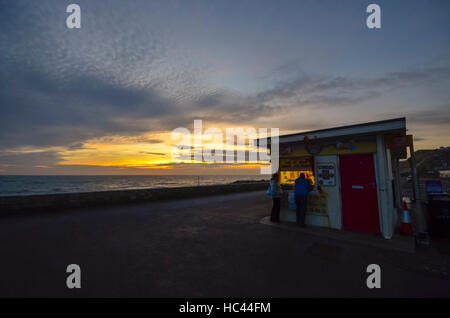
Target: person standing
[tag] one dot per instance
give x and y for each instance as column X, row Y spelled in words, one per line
column 301, row 190
column 275, row 191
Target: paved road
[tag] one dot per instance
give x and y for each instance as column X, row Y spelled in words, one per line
column 202, row 247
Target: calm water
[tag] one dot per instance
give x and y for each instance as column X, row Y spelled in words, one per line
column 29, row 185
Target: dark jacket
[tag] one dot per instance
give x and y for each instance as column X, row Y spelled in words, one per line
column 302, row 186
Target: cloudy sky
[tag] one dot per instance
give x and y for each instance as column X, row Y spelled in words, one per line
column 105, row 98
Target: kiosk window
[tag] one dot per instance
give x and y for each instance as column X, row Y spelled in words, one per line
column 290, row 169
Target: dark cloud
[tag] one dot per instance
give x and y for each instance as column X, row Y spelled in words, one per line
column 148, row 140
column 310, row 90
column 77, row 146
column 38, row 110
column 61, row 87
column 153, row 153
column 437, row 116
column 130, row 139
column 123, row 74
column 22, row 160
column 182, row 165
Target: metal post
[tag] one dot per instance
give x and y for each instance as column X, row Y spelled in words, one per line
column 421, row 226
column 397, row 188
column 395, row 166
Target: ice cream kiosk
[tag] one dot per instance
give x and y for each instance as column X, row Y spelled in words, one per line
column 352, row 171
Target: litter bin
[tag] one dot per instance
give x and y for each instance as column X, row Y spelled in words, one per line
column 439, row 214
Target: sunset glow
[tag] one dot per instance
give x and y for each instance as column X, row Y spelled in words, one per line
column 105, row 98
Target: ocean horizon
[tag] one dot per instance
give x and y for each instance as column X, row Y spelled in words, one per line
column 14, row 185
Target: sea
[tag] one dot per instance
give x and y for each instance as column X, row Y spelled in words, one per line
column 32, row 185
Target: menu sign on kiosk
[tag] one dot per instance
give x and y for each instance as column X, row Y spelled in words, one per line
column 326, row 174
column 290, row 169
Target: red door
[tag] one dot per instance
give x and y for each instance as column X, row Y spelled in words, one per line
column 359, row 193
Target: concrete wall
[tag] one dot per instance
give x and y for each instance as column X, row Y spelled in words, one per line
column 33, row 203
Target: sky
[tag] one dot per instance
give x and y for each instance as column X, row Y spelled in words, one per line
column 105, row 98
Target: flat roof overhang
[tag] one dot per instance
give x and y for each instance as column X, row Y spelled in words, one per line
column 390, row 126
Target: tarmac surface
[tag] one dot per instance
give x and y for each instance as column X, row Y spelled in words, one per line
column 203, row 247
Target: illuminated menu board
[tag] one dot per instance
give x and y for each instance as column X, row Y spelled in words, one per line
column 290, row 169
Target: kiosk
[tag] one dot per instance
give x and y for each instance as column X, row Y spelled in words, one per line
column 352, row 170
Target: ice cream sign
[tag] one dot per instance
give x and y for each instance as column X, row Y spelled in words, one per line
column 326, row 174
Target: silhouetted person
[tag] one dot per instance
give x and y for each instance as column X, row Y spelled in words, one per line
column 275, row 191
column 302, row 188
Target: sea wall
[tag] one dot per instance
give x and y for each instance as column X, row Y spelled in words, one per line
column 49, row 202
